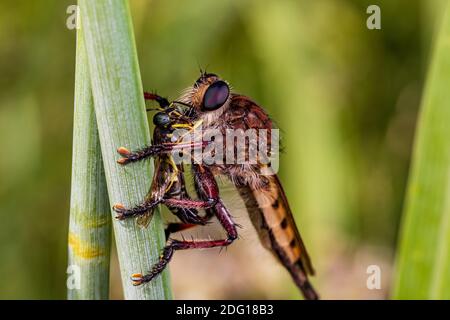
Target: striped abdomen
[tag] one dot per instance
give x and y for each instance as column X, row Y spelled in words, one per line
column 270, row 214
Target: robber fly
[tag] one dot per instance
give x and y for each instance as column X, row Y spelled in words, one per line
column 211, row 103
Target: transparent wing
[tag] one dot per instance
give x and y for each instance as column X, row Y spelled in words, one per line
column 161, row 181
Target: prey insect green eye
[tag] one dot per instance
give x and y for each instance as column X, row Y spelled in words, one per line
column 161, row 119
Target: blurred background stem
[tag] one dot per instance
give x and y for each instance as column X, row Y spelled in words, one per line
column 90, row 222
column 122, row 121
column 423, row 260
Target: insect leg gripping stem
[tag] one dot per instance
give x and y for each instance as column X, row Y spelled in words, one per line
column 174, row 227
column 207, row 188
column 155, row 150
column 224, row 219
column 163, row 102
column 139, row 210
column 146, row 206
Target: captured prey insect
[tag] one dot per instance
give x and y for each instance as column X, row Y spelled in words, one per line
column 168, row 181
column 210, row 103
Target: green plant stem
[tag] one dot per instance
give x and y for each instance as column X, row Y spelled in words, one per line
column 122, row 121
column 90, row 222
column 423, row 262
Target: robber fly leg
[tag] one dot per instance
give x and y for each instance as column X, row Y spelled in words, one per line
column 175, row 200
column 143, row 208
column 163, row 102
column 142, row 154
column 155, row 150
column 177, row 190
column 206, row 188
column 175, row 227
column 209, row 188
column 189, row 217
column 186, row 204
column 198, row 184
column 189, row 203
column 173, row 245
column 189, row 221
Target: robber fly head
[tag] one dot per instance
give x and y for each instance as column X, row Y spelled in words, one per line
column 209, row 93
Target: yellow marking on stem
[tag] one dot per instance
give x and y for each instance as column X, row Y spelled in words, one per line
column 97, row 223
column 82, row 248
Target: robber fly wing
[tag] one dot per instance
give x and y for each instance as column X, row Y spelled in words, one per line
column 159, row 184
column 144, row 220
column 267, row 204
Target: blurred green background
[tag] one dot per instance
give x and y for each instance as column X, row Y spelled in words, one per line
column 345, row 97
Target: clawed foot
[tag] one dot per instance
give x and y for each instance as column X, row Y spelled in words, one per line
column 137, row 279
column 120, row 210
column 125, row 153
column 190, row 216
column 139, row 210
column 144, row 153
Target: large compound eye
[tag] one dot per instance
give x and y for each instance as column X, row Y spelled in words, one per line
column 161, row 119
column 215, row 96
